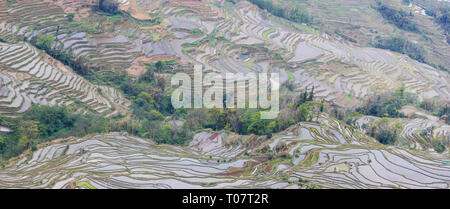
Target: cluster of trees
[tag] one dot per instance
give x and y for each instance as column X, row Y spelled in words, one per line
column 165, row 133
column 43, row 42
column 48, row 43
column 444, row 21
column 401, row 19
column 441, row 14
column 293, row 14
column 248, row 121
column 109, row 6
column 439, row 145
column 385, row 131
column 387, row 104
column 437, row 142
column 44, row 123
column 148, row 93
column 151, row 102
column 70, row 17
column 437, row 108
column 242, row 121
column 401, row 45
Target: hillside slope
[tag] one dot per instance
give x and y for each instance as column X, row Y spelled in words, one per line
column 325, row 155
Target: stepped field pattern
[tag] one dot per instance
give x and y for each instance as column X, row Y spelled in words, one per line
column 234, row 38
column 28, row 76
column 329, row 155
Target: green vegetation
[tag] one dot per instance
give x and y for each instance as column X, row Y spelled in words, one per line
column 197, row 32
column 84, row 183
column 388, row 104
column 70, row 17
column 147, row 93
column 86, row 25
column 400, row 19
column 47, row 43
column 439, row 145
column 44, row 123
column 114, row 18
column 443, row 19
column 212, row 39
column 291, row 77
column 109, row 6
column 151, row 102
column 385, row 131
column 437, row 108
column 295, row 14
column 267, row 32
column 401, row 45
column 248, row 121
column 441, row 14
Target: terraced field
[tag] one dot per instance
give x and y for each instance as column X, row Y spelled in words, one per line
column 413, row 130
column 28, row 76
column 108, row 50
column 225, row 38
column 327, row 155
column 359, row 21
column 312, row 60
column 310, row 57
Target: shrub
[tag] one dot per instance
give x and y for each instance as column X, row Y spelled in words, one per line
column 70, row 17
column 109, row 6
column 404, row 46
column 400, row 19
column 292, row 14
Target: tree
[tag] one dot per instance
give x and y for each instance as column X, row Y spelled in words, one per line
column 299, row 16
column 155, row 115
column 166, row 134
column 400, row 18
column 70, row 16
column 385, row 131
column 272, row 127
column 302, row 112
column 51, row 119
column 257, row 126
column 26, row 132
column 305, row 95
column 149, row 75
column 108, row 6
column 386, row 137
column 438, row 145
column 311, row 94
column 45, row 41
column 322, row 105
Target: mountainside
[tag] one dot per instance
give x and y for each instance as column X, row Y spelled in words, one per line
column 29, row 76
column 364, row 96
column 325, row 155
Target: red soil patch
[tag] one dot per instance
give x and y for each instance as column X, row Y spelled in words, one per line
column 268, row 168
column 213, row 136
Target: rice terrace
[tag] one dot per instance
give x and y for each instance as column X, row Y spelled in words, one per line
column 360, row 91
